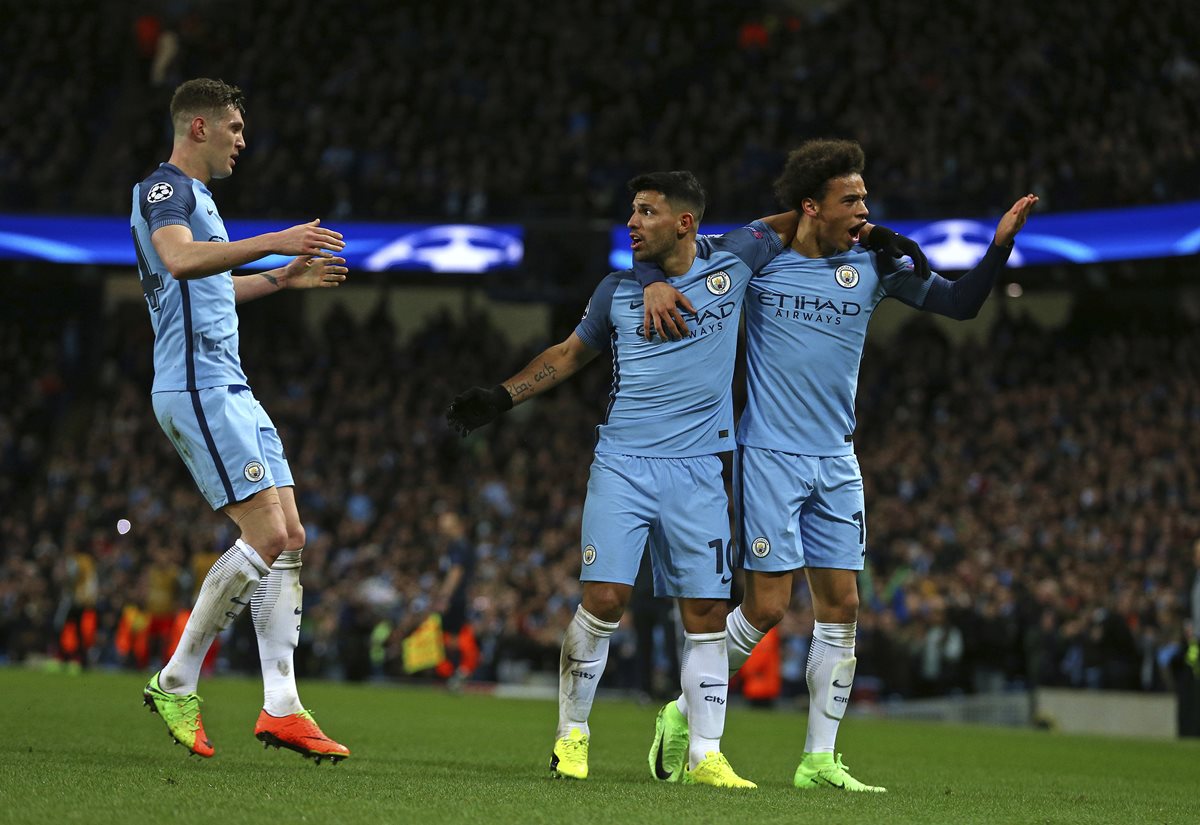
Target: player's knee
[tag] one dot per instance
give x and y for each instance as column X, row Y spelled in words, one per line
column 605, row 602
column 764, row 614
column 269, row 542
column 295, row 537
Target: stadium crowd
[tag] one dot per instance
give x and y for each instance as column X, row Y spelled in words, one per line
column 476, row 110
column 1032, row 501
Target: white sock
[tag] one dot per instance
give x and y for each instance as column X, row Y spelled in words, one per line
column 584, row 655
column 225, row 592
column 830, row 674
column 276, row 608
column 704, row 674
column 740, row 639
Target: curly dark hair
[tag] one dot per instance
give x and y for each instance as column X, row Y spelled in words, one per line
column 811, row 166
column 679, row 188
column 204, row 96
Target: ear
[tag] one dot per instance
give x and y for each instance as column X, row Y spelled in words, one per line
column 199, row 129
column 809, row 207
column 687, row 222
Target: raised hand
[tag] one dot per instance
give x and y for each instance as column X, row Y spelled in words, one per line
column 476, row 407
column 308, row 239
column 1014, row 219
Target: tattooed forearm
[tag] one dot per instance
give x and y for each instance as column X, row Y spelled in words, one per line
column 548, row 372
column 274, row 281
column 519, row 390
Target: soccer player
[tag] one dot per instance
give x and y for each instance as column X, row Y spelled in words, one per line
column 798, row 486
column 656, row 474
column 203, row 402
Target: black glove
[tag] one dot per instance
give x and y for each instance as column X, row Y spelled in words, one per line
column 476, row 407
column 886, row 242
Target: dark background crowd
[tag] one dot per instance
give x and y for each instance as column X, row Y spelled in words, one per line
column 1033, row 497
column 1033, row 500
column 486, row 110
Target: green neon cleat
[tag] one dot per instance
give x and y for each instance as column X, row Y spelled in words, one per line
column 716, row 771
column 570, row 756
column 181, row 715
column 822, row 770
column 669, row 750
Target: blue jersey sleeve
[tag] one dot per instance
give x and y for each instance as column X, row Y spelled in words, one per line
column 595, row 328
column 902, row 281
column 756, row 244
column 166, row 202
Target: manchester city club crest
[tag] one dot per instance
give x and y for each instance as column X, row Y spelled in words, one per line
column 760, row 546
column 254, row 472
column 718, row 283
column 159, row 192
column 589, row 554
column 847, row 276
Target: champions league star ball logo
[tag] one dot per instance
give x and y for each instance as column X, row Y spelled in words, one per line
column 159, row 192
column 847, row 277
column 718, row 283
column 760, row 547
column 589, row 554
column 254, row 472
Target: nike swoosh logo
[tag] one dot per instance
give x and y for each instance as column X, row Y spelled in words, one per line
column 236, row 600
column 581, row 661
column 210, row 211
column 726, row 579
column 297, row 611
column 831, row 783
column 635, row 305
column 712, row 684
column 660, row 771
column 835, row 684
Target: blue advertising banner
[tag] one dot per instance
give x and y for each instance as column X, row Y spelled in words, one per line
column 1068, row 237
column 374, row 247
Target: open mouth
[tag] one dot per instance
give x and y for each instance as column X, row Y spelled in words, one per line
column 855, row 231
column 635, row 242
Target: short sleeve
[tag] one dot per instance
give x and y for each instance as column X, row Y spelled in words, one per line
column 595, row 328
column 165, row 203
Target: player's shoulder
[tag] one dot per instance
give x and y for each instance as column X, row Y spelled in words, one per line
column 167, row 183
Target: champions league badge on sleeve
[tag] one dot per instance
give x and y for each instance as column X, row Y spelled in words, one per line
column 847, row 276
column 718, row 282
column 159, row 192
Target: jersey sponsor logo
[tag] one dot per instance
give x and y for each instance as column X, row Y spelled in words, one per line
column 589, row 554
column 809, row 308
column 846, row 276
column 760, row 547
column 254, row 472
column 709, row 319
column 159, row 192
column 718, row 283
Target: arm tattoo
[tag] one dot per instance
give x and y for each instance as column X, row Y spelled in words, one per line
column 547, row 372
column 274, row 281
column 518, row 390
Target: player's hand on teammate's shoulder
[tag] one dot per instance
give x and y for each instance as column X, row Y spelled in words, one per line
column 1014, row 219
column 314, row 272
column 308, row 239
column 661, row 311
column 892, row 244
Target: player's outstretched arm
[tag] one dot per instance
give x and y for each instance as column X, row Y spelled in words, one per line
column 962, row 299
column 483, row 405
column 318, row 272
column 187, row 258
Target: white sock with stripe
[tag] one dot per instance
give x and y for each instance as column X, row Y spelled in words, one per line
column 740, row 639
column 704, row 674
column 276, row 607
column 223, row 595
column 830, row 674
column 580, row 666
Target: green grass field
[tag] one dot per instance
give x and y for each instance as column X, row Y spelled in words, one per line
column 82, row 749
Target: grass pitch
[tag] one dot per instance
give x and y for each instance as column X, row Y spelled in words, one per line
column 83, row 749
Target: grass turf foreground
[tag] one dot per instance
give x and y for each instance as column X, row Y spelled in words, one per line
column 82, row 749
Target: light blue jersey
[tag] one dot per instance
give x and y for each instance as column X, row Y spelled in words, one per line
column 195, row 321
column 806, row 325
column 671, row 399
